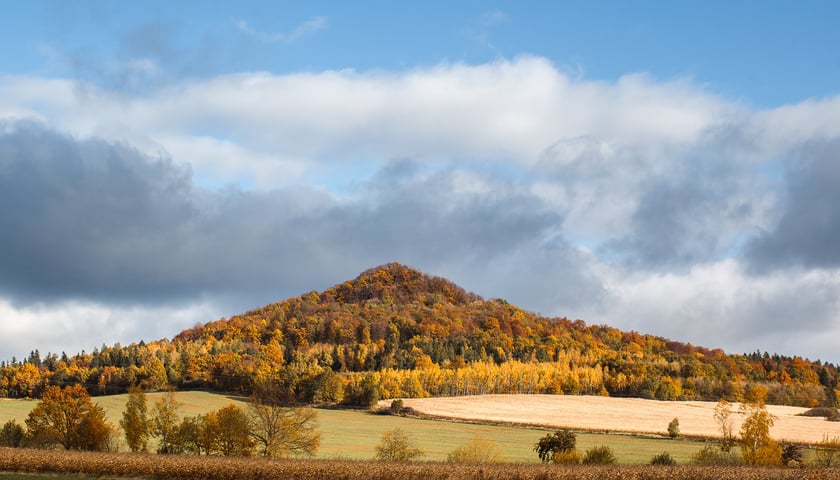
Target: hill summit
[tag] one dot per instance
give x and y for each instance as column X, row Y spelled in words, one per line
column 396, row 332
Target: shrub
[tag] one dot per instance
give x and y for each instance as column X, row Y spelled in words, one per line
column 827, row 452
column 792, row 454
column 567, row 457
column 600, row 455
column 477, row 450
column 397, row 406
column 12, row 434
column 397, row 447
column 711, row 455
column 674, row 428
column 663, row 458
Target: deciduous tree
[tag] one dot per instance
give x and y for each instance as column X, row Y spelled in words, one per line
column 561, row 441
column 68, row 418
column 723, row 417
column 135, row 420
column 757, row 447
column 279, row 430
column 165, row 422
column 231, row 434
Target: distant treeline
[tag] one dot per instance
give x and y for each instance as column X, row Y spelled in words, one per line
column 395, row 332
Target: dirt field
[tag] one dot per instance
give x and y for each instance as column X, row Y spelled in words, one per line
column 631, row 415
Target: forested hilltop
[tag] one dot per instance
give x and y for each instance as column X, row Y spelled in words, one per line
column 396, row 332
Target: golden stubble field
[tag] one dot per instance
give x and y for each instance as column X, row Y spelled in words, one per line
column 609, row 414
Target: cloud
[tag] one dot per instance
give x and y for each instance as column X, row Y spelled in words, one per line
column 100, row 221
column 491, row 18
column 75, row 326
column 505, row 111
column 808, row 230
column 305, row 29
column 720, row 304
column 646, row 204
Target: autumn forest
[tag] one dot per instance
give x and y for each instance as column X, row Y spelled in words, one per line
column 396, row 332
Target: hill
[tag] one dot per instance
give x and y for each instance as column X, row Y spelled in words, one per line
column 396, row 332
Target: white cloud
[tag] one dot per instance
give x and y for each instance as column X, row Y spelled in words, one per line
column 74, row 326
column 506, row 110
column 307, row 28
column 720, row 305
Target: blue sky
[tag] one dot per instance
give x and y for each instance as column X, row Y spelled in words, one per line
column 762, row 53
column 664, row 167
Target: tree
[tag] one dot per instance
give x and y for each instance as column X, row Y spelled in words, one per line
column 12, row 434
column 164, row 423
column 397, row 447
column 723, row 417
column 192, row 436
column 561, row 441
column 229, row 432
column 95, row 433
column 674, row 428
column 757, row 447
column 600, row 455
column 280, row 431
column 135, row 420
column 477, row 450
column 67, row 417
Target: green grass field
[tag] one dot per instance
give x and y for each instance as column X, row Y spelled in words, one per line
column 353, row 434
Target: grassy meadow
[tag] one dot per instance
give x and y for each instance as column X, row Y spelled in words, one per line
column 353, row 434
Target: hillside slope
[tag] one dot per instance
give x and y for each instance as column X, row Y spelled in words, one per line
column 396, row 332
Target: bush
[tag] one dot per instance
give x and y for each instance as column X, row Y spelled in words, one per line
column 397, row 406
column 396, row 446
column 674, row 428
column 663, row 458
column 792, row 454
column 600, row 455
column 567, row 457
column 12, row 434
column 477, row 450
column 711, row 455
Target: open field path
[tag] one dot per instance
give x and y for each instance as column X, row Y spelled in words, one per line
column 610, row 414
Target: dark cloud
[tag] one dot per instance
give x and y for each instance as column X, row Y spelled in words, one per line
column 101, row 221
column 87, row 218
column 685, row 218
column 808, row 231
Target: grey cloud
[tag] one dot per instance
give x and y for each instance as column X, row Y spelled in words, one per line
column 685, row 219
column 808, row 231
column 103, row 222
column 657, row 208
column 84, row 217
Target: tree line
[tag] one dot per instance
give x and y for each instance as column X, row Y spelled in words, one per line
column 68, row 418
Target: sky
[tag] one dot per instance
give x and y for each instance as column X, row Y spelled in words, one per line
column 665, row 167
